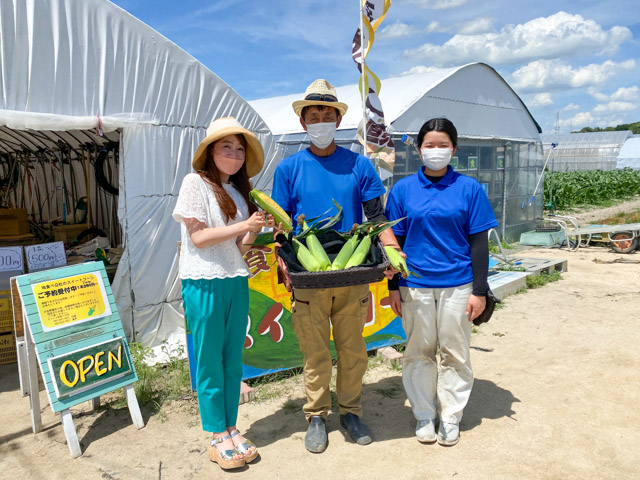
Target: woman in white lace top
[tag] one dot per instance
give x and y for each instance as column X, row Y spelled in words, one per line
column 219, row 224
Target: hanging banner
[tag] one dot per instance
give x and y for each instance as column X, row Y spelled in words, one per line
column 378, row 143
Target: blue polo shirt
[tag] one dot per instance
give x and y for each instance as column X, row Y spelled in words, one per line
column 306, row 183
column 439, row 219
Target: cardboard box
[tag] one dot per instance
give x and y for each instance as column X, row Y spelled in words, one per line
column 67, row 233
column 13, row 221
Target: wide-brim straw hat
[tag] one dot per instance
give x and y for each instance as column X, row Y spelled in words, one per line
column 220, row 128
column 320, row 92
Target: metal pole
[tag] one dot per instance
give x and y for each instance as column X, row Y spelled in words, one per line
column 362, row 79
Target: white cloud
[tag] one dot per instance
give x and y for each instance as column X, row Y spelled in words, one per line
column 477, row 25
column 434, row 26
column 547, row 74
column 599, row 96
column 437, row 4
column 397, row 30
column 578, row 121
column 571, row 107
column 615, row 107
column 626, row 94
column 561, row 34
column 416, row 70
column 622, row 94
column 541, row 100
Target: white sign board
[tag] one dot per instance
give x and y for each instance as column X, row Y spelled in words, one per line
column 44, row 256
column 11, row 259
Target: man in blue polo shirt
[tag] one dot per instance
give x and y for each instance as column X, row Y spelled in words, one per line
column 307, row 183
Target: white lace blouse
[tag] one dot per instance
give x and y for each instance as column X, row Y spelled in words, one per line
column 222, row 260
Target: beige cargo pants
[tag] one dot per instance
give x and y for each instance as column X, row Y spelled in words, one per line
column 314, row 313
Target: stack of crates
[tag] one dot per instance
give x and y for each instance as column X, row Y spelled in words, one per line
column 7, row 338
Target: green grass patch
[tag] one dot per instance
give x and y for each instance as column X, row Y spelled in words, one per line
column 160, row 383
column 535, row 281
column 494, row 248
column 620, row 218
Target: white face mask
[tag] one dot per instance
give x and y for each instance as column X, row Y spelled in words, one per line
column 436, row 158
column 322, row 134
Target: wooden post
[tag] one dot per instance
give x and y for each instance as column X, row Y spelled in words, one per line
column 134, row 408
column 70, row 433
column 34, row 389
column 94, row 403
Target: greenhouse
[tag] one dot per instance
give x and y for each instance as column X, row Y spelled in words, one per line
column 584, row 151
column 115, row 124
column 629, row 156
column 499, row 141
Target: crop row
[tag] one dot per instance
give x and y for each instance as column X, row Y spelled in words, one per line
column 590, row 187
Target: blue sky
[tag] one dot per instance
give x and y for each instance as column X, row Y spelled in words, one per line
column 576, row 61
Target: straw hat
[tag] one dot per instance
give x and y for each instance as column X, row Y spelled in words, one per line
column 320, row 92
column 221, row 127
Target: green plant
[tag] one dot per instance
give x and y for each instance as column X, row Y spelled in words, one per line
column 493, row 248
column 505, row 267
column 159, row 383
column 590, row 187
column 535, row 281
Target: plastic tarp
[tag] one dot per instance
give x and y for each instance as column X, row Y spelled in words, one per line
column 63, row 64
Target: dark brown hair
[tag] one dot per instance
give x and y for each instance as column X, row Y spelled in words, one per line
column 439, row 125
column 240, row 180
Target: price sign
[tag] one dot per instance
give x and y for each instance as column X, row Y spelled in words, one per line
column 44, row 256
column 11, row 259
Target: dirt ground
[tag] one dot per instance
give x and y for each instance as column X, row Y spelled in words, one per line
column 556, row 396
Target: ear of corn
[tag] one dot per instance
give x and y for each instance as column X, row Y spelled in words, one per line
column 315, row 247
column 398, row 262
column 266, row 203
column 345, row 253
column 360, row 253
column 305, row 257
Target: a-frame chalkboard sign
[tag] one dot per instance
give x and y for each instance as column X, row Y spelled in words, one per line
column 75, row 338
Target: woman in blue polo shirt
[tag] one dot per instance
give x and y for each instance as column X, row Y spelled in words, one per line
column 444, row 235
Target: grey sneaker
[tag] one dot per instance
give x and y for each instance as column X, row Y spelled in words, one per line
column 448, row 434
column 316, row 438
column 426, row 431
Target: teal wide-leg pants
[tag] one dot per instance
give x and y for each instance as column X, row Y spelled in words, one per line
column 216, row 311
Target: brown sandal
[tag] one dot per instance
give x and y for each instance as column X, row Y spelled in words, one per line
column 244, row 448
column 225, row 458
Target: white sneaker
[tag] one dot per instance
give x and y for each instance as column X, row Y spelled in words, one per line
column 426, row 431
column 448, row 434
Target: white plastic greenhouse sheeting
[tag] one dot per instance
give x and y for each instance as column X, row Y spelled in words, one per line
column 629, row 156
column 475, row 95
column 69, row 61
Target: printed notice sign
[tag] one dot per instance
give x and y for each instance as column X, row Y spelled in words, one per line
column 89, row 367
column 71, row 300
column 45, row 255
column 11, row 259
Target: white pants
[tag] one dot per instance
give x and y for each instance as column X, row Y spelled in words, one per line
column 432, row 318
